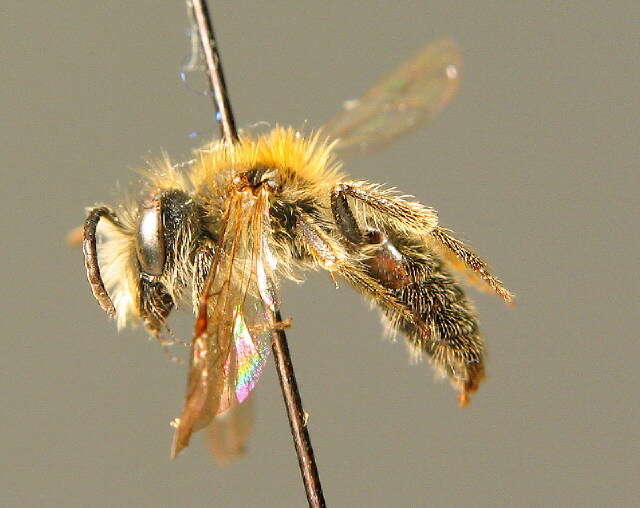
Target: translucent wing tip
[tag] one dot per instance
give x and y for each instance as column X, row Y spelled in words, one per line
column 414, row 93
column 180, row 441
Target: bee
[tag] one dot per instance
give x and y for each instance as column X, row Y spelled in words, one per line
column 221, row 230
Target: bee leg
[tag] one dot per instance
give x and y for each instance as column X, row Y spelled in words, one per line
column 343, row 216
column 463, row 259
column 412, row 218
column 417, row 297
column 155, row 306
column 325, row 250
column 352, row 266
column 405, row 216
column 359, row 273
column 166, row 344
column 201, row 264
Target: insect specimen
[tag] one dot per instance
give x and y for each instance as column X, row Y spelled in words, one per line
column 222, row 229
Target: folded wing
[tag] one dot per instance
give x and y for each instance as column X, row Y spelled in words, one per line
column 233, row 328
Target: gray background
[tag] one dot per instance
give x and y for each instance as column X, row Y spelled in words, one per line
column 535, row 162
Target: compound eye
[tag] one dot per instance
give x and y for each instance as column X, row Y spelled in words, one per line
column 151, row 249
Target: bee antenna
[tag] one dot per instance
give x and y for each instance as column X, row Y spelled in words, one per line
column 91, row 257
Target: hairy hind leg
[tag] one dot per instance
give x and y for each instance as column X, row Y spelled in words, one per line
column 421, row 299
column 465, row 260
column 384, row 206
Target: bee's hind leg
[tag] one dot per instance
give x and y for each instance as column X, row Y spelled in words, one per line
column 384, row 206
column 343, row 216
column 416, row 294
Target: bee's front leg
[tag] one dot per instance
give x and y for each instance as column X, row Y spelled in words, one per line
column 202, row 261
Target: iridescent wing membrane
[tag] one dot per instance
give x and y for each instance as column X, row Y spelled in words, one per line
column 414, row 93
column 232, row 336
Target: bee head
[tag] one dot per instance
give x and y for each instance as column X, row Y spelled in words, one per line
column 140, row 259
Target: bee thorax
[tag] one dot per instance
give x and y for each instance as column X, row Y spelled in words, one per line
column 257, row 178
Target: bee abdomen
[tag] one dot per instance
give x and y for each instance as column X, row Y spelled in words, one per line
column 444, row 326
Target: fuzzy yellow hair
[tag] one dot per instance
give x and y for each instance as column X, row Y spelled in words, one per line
column 305, row 159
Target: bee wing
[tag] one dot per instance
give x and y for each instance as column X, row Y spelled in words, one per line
column 418, row 89
column 229, row 432
column 234, row 323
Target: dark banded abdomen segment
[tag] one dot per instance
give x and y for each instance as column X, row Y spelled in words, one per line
column 444, row 327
